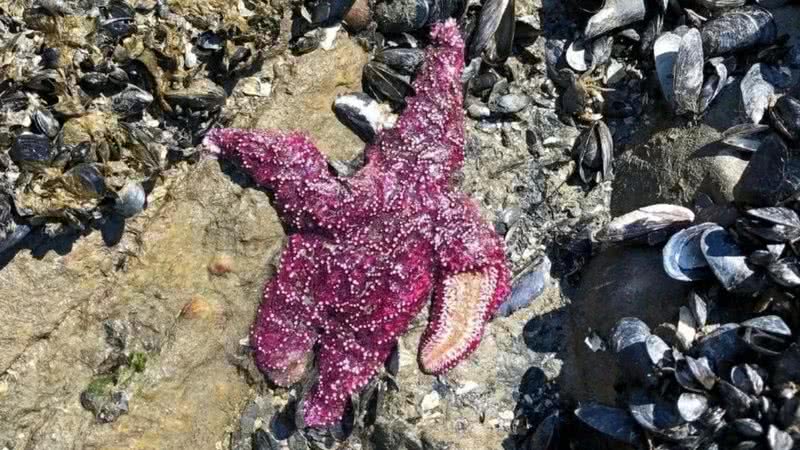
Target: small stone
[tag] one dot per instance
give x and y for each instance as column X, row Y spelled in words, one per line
column 430, row 401
column 507, row 415
column 466, row 387
column 221, row 264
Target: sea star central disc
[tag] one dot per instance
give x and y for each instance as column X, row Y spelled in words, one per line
column 368, row 251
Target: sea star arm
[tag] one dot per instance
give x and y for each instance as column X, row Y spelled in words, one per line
column 283, row 334
column 427, row 142
column 359, row 334
column 473, row 282
column 307, row 194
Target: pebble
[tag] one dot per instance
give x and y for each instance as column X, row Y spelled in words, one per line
column 220, row 264
column 430, row 401
column 467, row 387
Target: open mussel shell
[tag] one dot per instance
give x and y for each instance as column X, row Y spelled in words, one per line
column 683, row 257
column 767, row 335
column 362, row 115
column 613, row 422
column 716, row 75
column 615, row 14
column 654, row 223
column 747, row 378
column 727, row 260
column 785, row 117
column 738, row 29
column 747, row 137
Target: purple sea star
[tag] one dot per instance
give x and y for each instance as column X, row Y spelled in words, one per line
column 367, row 251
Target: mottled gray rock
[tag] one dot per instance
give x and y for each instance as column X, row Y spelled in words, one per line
column 620, row 282
column 673, row 167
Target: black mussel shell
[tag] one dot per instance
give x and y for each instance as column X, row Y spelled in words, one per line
column 210, row 41
column 772, row 175
column 721, row 345
column 728, row 262
column 495, row 31
column 652, row 224
column 46, row 123
column 400, row 16
column 361, row 114
column 687, row 78
column 118, row 20
column 656, row 416
column 50, row 58
column 775, row 224
column 13, row 235
column 701, row 371
column 404, row 60
column 628, row 341
column 386, row 85
column 594, row 152
column 31, row 151
column 613, row 422
column 328, row 11
column 785, row 116
column 786, row 271
column 736, row 402
column 747, row 137
column 748, row 428
column 132, row 101
column 739, row 29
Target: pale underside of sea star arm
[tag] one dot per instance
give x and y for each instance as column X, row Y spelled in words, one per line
column 472, row 283
column 307, row 194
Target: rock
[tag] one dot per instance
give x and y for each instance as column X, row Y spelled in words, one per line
column 155, row 281
column 680, row 163
column 303, row 98
column 615, row 284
